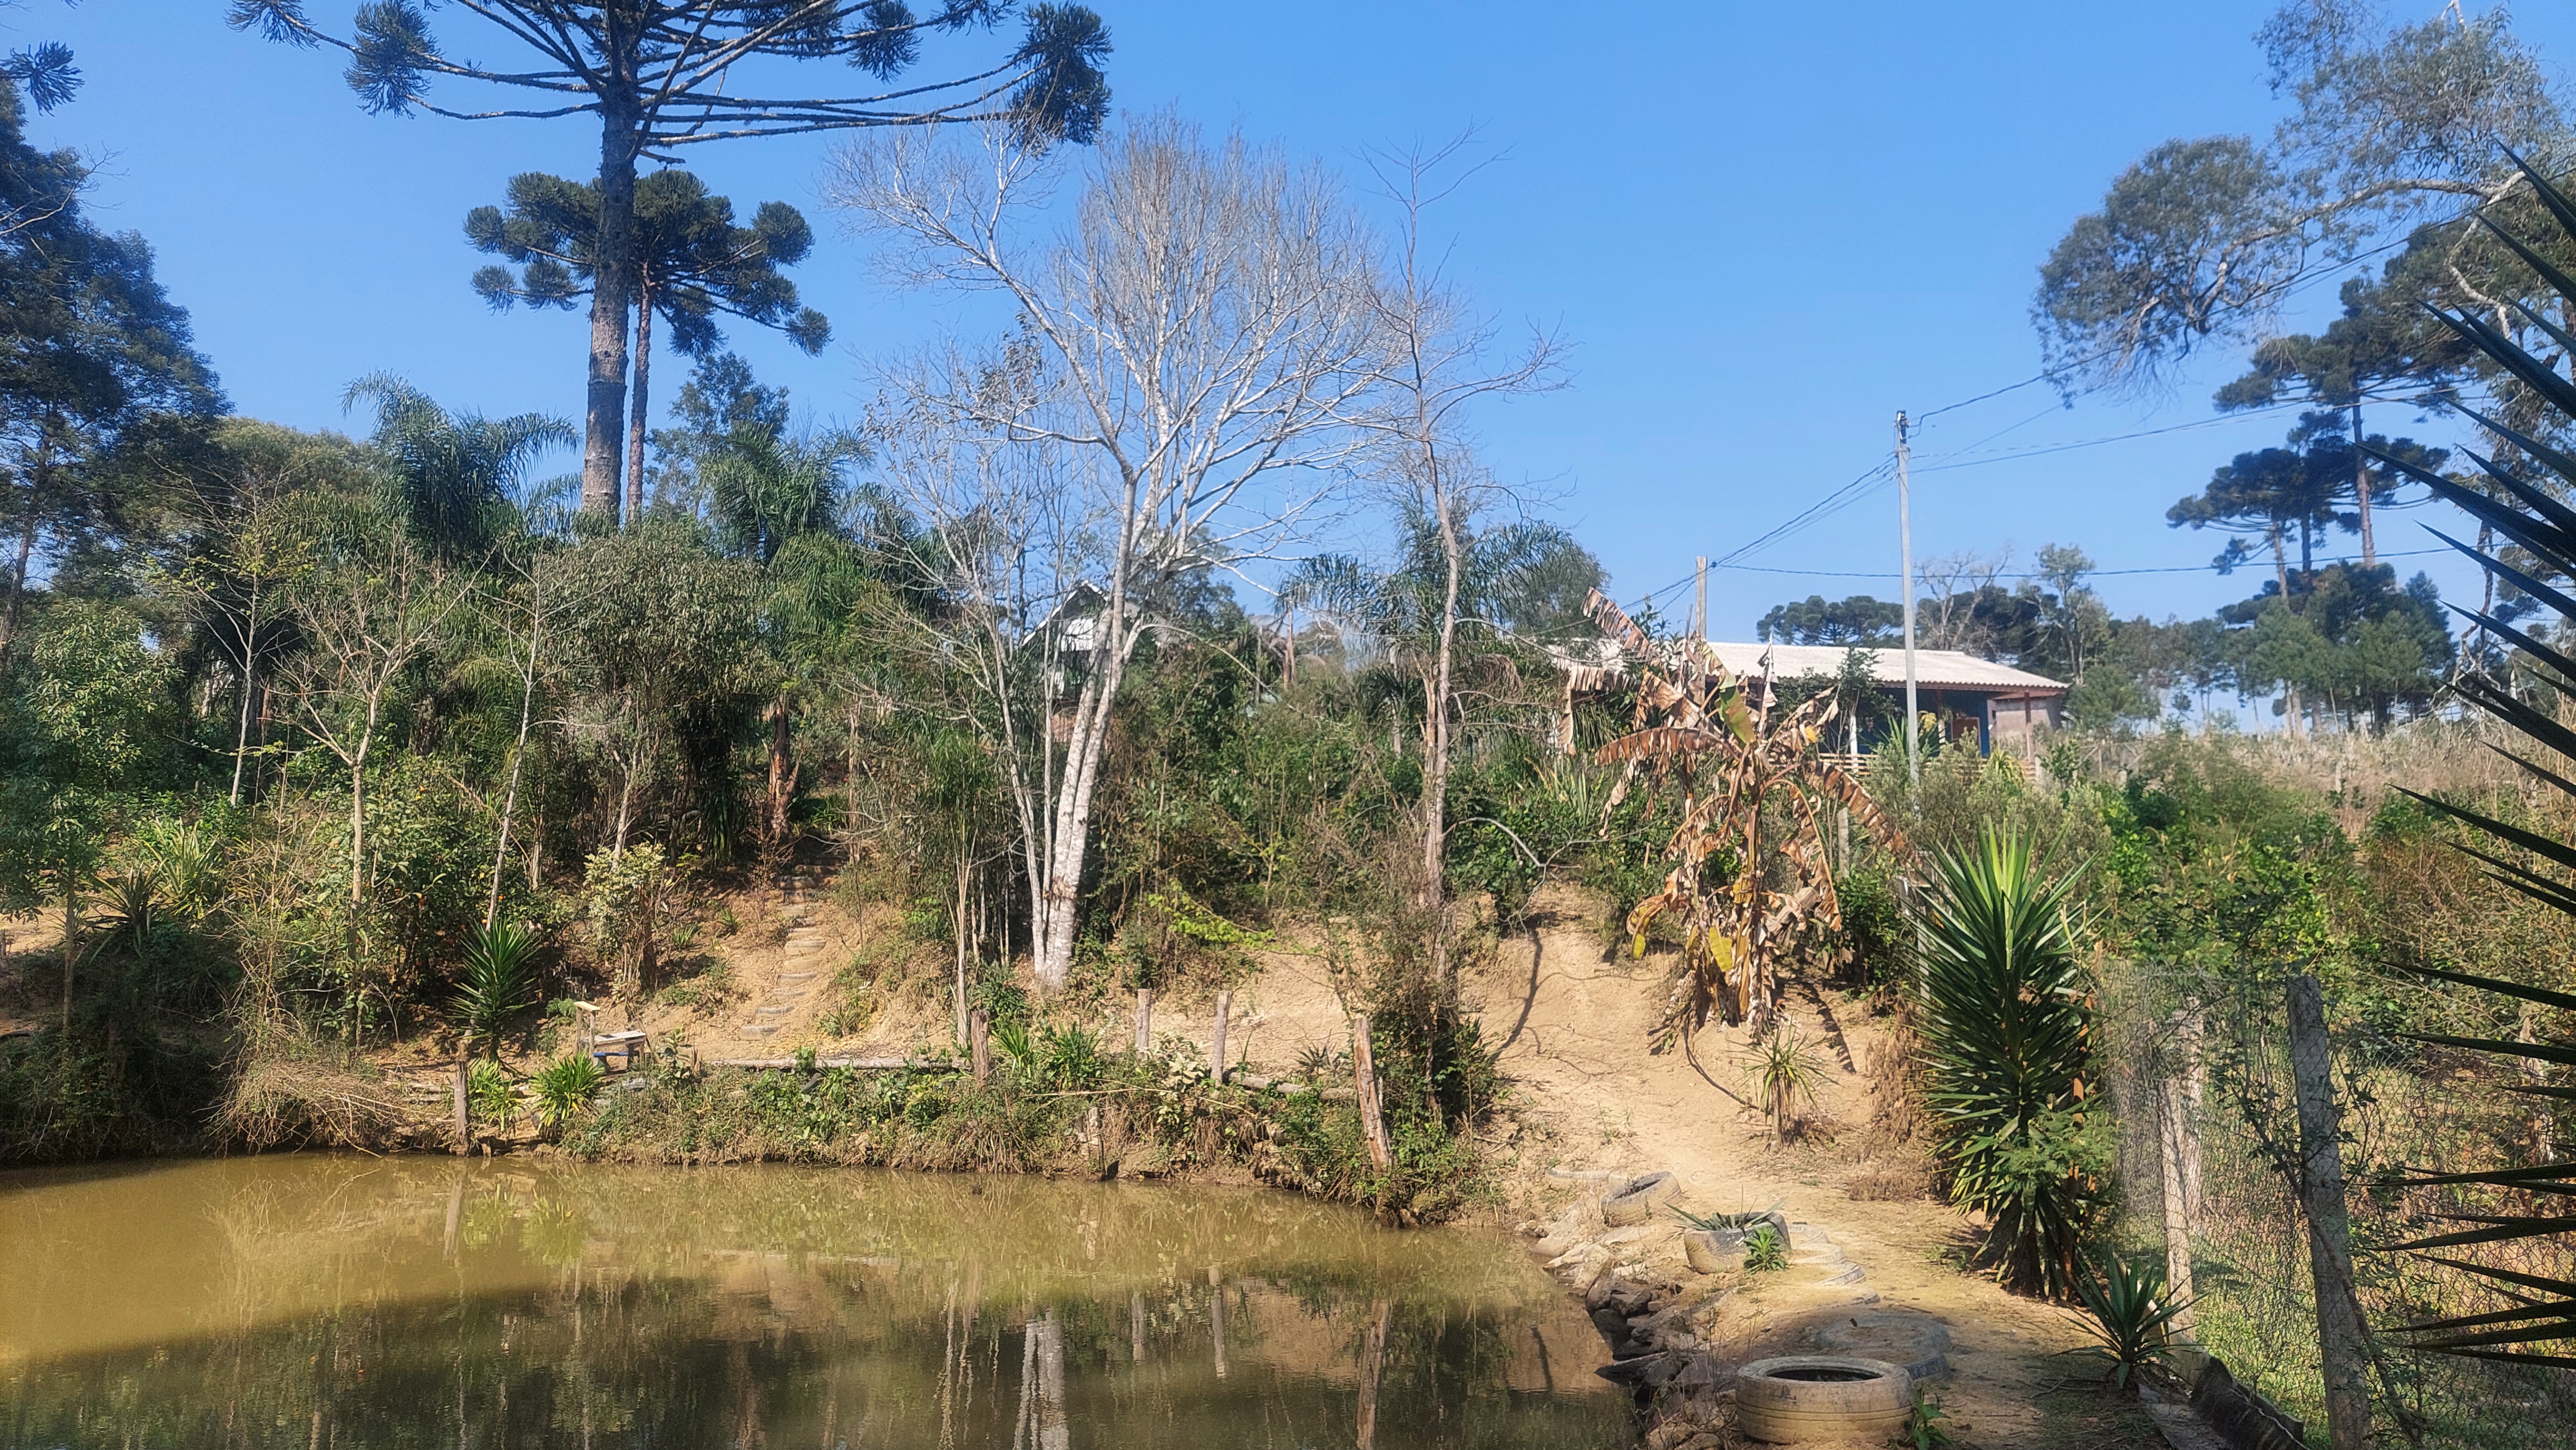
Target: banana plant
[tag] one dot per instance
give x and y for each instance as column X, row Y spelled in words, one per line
column 1751, row 880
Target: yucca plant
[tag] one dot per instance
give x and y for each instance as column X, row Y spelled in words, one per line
column 2132, row 1315
column 563, row 1090
column 2004, row 1023
column 499, row 982
column 1785, row 1071
column 2523, row 504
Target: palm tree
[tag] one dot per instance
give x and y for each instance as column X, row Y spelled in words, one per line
column 453, row 475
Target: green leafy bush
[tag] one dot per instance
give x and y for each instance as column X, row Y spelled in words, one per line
column 564, row 1088
column 1764, row 1250
column 490, row 1097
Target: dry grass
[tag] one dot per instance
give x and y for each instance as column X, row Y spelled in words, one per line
column 289, row 1091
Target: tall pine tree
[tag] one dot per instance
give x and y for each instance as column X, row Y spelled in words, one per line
column 659, row 75
column 689, row 261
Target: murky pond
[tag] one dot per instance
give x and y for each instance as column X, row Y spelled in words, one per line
column 329, row 1301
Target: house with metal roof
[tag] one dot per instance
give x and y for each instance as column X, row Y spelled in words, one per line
column 1965, row 693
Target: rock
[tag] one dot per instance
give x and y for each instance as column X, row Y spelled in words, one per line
column 1613, row 1326
column 1530, row 1228
column 1598, row 1295
column 1550, row 1247
column 1702, row 1441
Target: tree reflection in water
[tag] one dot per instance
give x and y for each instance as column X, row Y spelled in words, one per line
column 314, row 1301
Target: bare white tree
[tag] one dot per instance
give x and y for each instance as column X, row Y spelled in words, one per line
column 1197, row 337
column 1437, row 358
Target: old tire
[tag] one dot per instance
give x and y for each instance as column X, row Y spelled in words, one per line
column 1634, row 1202
column 1713, row 1250
column 1803, row 1397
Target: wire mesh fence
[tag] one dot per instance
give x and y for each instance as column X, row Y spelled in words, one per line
column 2207, row 1155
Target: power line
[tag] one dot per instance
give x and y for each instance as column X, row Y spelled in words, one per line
column 2090, row 573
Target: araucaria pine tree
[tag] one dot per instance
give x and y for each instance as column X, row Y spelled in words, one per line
column 689, row 263
column 659, row 75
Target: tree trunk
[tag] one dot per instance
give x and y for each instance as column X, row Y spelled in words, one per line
column 1435, row 784
column 1057, row 891
column 71, row 939
column 612, row 296
column 518, row 748
column 782, row 776
column 1364, row 1075
column 643, row 376
column 2361, row 488
column 979, row 1044
column 464, row 1123
column 1216, row 1035
column 18, row 578
column 2321, row 1195
column 250, row 653
column 1144, row 1020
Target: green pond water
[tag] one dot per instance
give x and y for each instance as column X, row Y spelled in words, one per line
column 315, row 1301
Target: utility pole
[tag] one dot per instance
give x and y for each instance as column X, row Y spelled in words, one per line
column 2340, row 1335
column 1699, row 608
column 1905, row 548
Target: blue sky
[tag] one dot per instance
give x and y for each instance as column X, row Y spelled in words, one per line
column 1765, row 228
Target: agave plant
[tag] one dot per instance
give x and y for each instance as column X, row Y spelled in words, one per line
column 498, row 983
column 2132, row 1315
column 2537, row 1323
column 1751, row 880
column 2004, row 1022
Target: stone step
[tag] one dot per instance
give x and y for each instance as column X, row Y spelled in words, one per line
column 774, row 1011
column 758, row 1029
column 798, row 976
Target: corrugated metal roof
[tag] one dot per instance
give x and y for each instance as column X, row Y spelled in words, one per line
column 1934, row 669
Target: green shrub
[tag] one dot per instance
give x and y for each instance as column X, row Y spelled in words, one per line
column 564, row 1088
column 490, row 1097
column 2004, row 1024
column 1764, row 1250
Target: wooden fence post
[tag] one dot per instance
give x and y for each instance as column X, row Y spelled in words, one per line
column 2170, row 1128
column 979, row 1042
column 1216, row 1037
column 464, row 1125
column 2339, row 1326
column 1364, row 1069
column 1144, row 1020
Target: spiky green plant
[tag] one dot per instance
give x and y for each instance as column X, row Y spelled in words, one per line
column 2004, row 1025
column 1764, row 1250
column 2132, row 1315
column 489, row 1095
column 499, row 981
column 563, row 1090
column 1785, row 1071
column 2523, row 504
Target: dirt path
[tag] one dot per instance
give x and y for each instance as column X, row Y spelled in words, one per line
column 1574, row 1029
